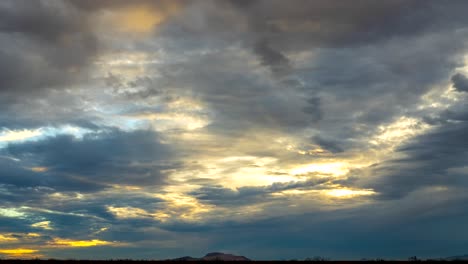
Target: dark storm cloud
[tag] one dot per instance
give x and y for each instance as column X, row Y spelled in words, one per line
column 386, row 81
column 96, row 207
column 328, row 144
column 140, row 88
column 13, row 173
column 12, row 194
column 46, row 20
column 10, row 224
column 90, row 5
column 314, row 109
column 86, row 216
column 361, row 52
column 107, row 157
column 44, row 43
column 219, row 195
column 262, row 25
column 460, row 82
column 337, row 23
column 53, row 110
column 232, row 90
column 18, row 174
column 268, row 56
column 435, row 159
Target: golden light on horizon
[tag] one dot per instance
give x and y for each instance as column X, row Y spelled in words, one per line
column 80, row 243
column 18, row 251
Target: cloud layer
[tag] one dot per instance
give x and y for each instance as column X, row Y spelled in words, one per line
column 157, row 129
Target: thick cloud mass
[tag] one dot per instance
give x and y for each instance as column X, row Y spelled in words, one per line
column 107, row 157
column 460, row 82
column 44, row 44
column 272, row 129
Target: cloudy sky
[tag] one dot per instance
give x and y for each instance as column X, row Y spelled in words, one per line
column 272, row 129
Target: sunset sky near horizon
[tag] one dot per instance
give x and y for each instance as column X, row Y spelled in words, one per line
column 274, row 129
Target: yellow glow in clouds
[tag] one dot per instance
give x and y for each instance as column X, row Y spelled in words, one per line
column 17, row 251
column 348, row 193
column 39, row 169
column 334, row 169
column 142, row 19
column 7, row 238
column 43, row 224
column 80, row 243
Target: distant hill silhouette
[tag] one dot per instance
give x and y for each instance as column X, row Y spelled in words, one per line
column 186, row 258
column 223, row 256
column 214, row 256
column 462, row 257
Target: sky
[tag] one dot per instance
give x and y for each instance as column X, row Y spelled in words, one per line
column 266, row 128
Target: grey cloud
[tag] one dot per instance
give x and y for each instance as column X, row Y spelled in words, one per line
column 460, row 82
column 144, row 87
column 336, row 23
column 10, row 224
column 107, row 157
column 339, row 71
column 219, row 195
column 13, row 173
column 46, row 20
column 314, row 108
column 52, row 110
column 332, row 145
column 387, row 77
column 381, row 85
column 45, row 44
column 384, row 79
column 278, row 63
column 90, row 5
column 430, row 160
column 19, row 175
column 224, row 82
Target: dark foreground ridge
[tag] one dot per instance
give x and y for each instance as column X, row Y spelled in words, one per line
column 214, row 256
column 219, row 256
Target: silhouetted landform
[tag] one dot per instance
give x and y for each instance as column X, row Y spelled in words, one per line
column 214, row 256
column 219, row 256
column 463, row 257
column 200, row 260
column 186, row 258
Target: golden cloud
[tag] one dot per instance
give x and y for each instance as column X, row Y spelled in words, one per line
column 80, row 243
column 18, row 251
column 141, row 18
column 43, row 225
column 7, row 238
